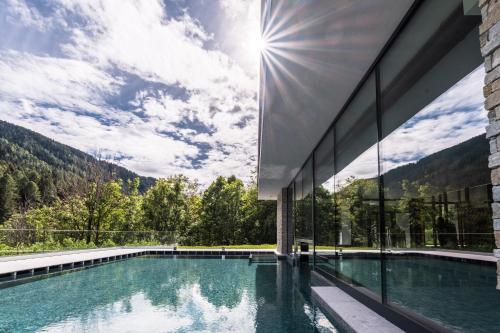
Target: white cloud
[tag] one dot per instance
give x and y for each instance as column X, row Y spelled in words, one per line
column 154, row 47
column 243, row 40
column 152, row 154
column 18, row 12
column 454, row 117
column 66, row 83
column 194, row 313
column 68, row 99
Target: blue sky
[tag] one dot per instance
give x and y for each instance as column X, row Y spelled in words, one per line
column 162, row 87
column 168, row 87
column 454, row 117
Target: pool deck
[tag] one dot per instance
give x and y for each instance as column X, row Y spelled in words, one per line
column 464, row 255
column 350, row 313
column 56, row 260
column 12, row 267
column 478, row 256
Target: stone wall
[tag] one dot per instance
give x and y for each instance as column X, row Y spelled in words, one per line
column 489, row 37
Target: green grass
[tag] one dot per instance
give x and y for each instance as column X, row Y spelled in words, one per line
column 324, row 247
column 265, row 246
column 48, row 247
column 234, row 247
column 65, row 245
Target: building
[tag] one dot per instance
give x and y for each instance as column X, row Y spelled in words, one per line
column 379, row 147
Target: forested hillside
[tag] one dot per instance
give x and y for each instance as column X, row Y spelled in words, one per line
column 60, row 197
column 457, row 167
column 56, row 197
column 27, row 153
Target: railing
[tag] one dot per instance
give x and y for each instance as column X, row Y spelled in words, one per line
column 25, row 241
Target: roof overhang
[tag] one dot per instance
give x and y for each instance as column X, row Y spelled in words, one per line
column 317, row 53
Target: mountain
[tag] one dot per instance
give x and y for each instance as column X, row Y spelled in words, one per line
column 457, row 167
column 24, row 153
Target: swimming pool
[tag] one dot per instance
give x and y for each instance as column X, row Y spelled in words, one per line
column 148, row 294
column 461, row 296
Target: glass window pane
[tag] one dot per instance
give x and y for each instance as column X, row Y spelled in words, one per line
column 323, row 160
column 325, row 217
column 298, row 210
column 434, row 158
column 438, row 48
column 356, row 191
column 303, row 225
column 325, row 227
column 290, row 218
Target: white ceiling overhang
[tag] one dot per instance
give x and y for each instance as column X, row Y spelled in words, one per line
column 316, row 54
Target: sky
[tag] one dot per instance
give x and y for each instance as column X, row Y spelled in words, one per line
column 164, row 87
column 452, row 118
column 160, row 87
column 455, row 116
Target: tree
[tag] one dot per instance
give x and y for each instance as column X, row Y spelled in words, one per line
column 72, row 215
column 191, row 234
column 258, row 218
column 33, row 176
column 233, row 194
column 48, row 192
column 30, row 195
column 108, row 208
column 132, row 214
column 326, row 217
column 221, row 211
column 188, row 231
column 165, row 206
column 357, row 203
column 7, row 197
column 212, row 211
column 93, row 193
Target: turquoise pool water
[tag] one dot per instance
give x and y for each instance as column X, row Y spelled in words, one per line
column 165, row 295
column 459, row 295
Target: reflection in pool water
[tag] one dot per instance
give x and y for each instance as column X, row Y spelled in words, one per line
column 165, row 295
column 459, row 295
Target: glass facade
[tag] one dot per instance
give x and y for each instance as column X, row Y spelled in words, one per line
column 403, row 173
column 303, row 205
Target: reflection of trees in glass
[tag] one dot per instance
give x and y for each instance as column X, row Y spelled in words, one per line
column 418, row 215
column 327, row 223
column 357, row 201
column 298, row 215
column 303, row 217
column 409, row 215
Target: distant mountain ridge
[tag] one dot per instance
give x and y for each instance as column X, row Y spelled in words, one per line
column 23, row 149
column 456, row 167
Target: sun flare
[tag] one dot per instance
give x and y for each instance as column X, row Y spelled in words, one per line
column 261, row 44
column 256, row 44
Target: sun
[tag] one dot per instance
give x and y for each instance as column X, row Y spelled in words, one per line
column 261, row 44
column 256, row 44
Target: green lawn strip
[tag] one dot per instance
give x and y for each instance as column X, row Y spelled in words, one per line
column 233, row 247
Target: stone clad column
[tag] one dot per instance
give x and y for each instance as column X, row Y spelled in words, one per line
column 281, row 223
column 489, row 36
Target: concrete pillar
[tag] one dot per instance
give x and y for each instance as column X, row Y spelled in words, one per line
column 489, row 37
column 282, row 223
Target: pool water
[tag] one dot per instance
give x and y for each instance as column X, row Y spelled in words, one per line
column 461, row 296
column 166, row 295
